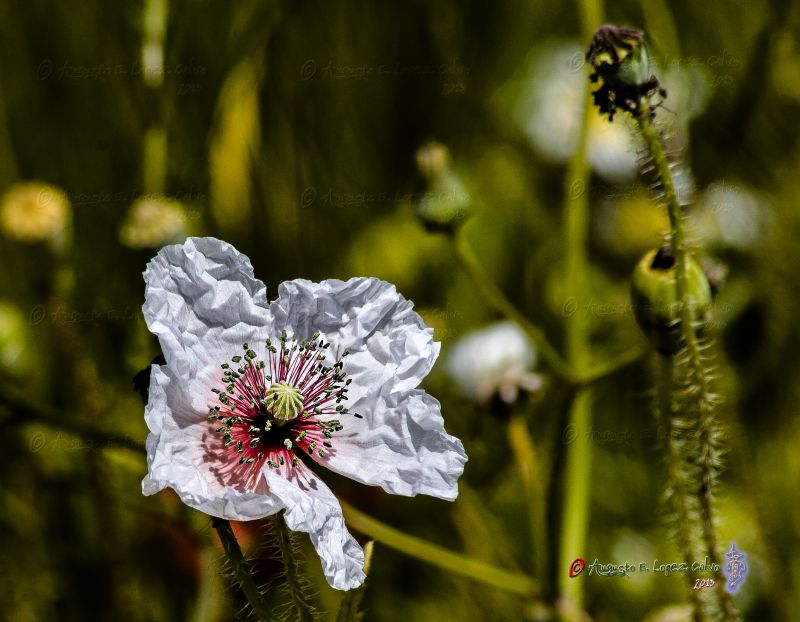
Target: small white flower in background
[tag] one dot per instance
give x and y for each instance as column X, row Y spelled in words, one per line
column 34, row 212
column 496, row 360
column 732, row 216
column 328, row 371
column 152, row 222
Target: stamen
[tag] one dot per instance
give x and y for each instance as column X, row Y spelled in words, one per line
column 269, row 409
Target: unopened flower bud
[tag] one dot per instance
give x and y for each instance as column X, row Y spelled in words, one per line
column 34, row 212
column 443, row 203
column 152, row 222
column 433, row 160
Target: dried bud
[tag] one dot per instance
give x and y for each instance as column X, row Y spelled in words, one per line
column 620, row 59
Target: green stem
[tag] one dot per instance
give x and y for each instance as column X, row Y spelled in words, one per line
column 602, row 370
column 439, row 556
column 697, row 373
column 241, row 569
column 524, row 451
column 575, row 516
column 502, row 305
column 678, row 497
column 293, row 583
column 577, row 474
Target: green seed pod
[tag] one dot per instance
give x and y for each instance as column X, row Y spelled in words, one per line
column 655, row 298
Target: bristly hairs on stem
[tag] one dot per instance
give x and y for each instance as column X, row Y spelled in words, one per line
column 294, row 583
column 683, row 513
column 239, row 570
column 687, row 400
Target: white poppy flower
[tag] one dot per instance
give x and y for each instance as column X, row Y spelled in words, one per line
column 328, row 370
column 494, row 360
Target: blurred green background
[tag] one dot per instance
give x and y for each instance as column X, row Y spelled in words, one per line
column 290, row 130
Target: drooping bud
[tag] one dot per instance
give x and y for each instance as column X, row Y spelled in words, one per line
column 443, row 203
column 655, row 301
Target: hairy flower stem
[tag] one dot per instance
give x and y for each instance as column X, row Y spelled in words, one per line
column 241, row 569
column 676, row 484
column 301, row 607
column 697, row 375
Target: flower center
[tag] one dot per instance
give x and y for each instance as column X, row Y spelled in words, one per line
column 284, row 401
column 291, row 400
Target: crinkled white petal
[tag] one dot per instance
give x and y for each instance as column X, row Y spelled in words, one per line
column 312, row 507
column 390, row 348
column 180, row 455
column 203, row 302
column 400, row 445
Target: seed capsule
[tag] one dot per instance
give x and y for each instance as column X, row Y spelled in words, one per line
column 654, row 297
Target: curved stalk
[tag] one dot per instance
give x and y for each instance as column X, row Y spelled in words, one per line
column 501, row 304
column 439, row 556
column 525, row 456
